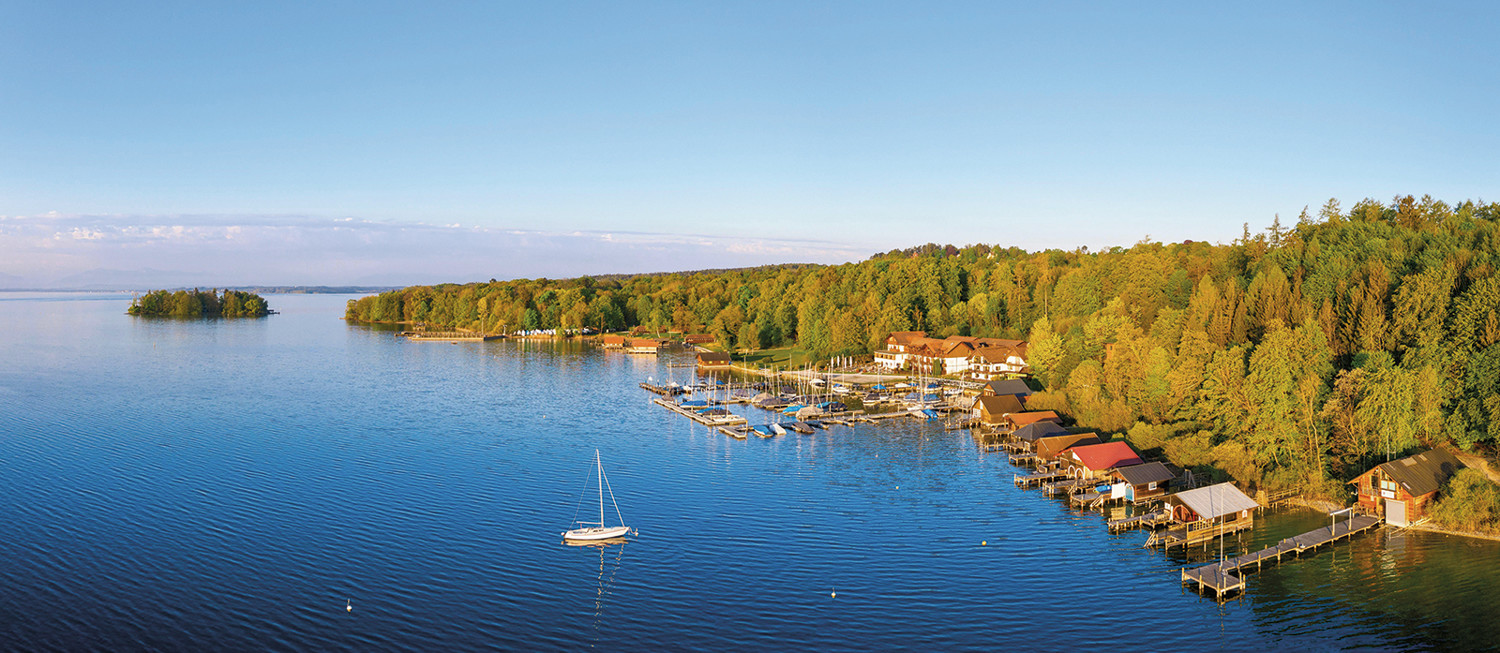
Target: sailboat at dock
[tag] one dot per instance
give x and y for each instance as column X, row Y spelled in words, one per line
column 591, row 531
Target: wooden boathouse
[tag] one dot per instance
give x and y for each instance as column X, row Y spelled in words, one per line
column 1401, row 489
column 1143, row 482
column 714, row 360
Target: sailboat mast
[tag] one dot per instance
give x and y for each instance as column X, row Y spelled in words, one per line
column 600, row 465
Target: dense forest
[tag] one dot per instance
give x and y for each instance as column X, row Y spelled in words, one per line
column 196, row 303
column 1292, row 356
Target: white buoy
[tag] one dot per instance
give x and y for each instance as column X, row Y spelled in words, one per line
column 348, row 605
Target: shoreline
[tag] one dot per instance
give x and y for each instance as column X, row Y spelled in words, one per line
column 1495, row 537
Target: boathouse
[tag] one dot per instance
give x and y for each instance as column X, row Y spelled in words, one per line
column 612, row 342
column 993, row 409
column 1401, row 489
column 1029, row 435
column 1015, row 387
column 1142, row 482
column 1095, row 461
column 697, row 339
column 1216, row 502
column 714, row 359
column 1054, row 446
column 1018, row 420
column 643, row 346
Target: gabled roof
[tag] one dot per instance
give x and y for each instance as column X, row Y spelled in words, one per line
column 905, row 337
column 995, row 354
column 1215, row 501
column 1022, row 419
column 1009, row 387
column 997, row 405
column 1422, row 473
column 1105, row 456
column 1145, row 473
column 1038, row 430
column 1053, row 446
column 713, row 357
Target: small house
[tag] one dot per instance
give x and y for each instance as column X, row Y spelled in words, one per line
column 1141, row 482
column 1095, row 461
column 697, row 339
column 714, row 359
column 993, row 409
column 1053, row 447
column 612, row 342
column 1401, row 489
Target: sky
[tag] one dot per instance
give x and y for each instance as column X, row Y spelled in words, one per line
column 369, row 143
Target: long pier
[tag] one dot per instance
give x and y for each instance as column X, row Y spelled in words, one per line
column 1228, row 576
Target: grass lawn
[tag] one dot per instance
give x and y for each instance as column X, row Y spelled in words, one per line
column 780, row 357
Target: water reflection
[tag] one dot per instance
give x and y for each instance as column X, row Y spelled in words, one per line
column 611, row 552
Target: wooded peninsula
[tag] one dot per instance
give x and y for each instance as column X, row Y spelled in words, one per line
column 1292, row 357
column 198, row 304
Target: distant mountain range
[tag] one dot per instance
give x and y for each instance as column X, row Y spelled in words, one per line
column 151, row 279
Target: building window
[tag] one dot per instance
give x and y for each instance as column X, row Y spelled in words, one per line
column 1151, row 486
column 1388, row 485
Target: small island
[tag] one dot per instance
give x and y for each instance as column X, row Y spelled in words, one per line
column 198, row 304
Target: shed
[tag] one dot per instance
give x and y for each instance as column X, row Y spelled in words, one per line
column 612, row 342
column 1401, row 490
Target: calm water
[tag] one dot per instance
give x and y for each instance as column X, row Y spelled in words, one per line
column 229, row 485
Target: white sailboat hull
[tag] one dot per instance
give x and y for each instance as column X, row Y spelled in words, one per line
column 596, row 533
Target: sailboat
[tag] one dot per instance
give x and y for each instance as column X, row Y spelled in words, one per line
column 598, row 530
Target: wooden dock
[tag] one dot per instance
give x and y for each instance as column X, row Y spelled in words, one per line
column 1146, row 520
column 701, row 419
column 1221, row 578
column 1064, row 486
column 1190, row 534
column 1029, row 480
column 664, row 390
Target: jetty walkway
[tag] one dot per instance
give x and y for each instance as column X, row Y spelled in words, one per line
column 1221, row 578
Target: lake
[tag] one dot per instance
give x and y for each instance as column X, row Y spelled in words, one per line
column 230, row 484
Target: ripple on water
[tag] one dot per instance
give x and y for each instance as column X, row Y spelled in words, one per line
column 192, row 486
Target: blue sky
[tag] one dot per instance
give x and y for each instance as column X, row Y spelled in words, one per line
column 373, row 143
